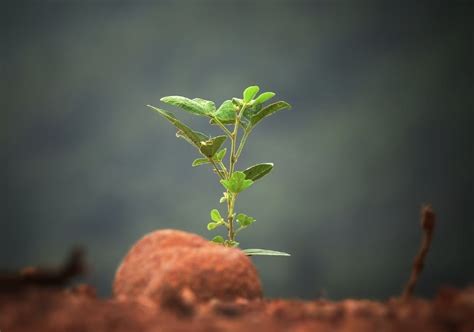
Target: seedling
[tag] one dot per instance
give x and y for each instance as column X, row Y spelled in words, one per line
column 234, row 116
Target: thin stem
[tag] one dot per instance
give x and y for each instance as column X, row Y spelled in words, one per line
column 224, row 169
column 231, row 197
column 230, row 217
column 223, row 127
column 235, row 133
column 216, row 168
column 242, row 144
column 232, row 151
column 238, row 230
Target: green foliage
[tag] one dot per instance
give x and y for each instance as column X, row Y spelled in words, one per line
column 244, row 220
column 258, row 171
column 196, row 106
column 269, row 110
column 216, row 216
column 264, row 97
column 218, row 239
column 236, row 183
column 210, row 147
column 250, row 93
column 264, row 252
column 240, row 115
column 225, row 113
column 221, row 154
column 200, row 161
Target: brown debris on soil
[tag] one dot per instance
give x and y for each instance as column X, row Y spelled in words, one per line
column 171, row 261
column 42, row 277
column 428, row 219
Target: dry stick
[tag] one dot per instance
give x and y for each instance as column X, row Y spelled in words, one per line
column 427, row 224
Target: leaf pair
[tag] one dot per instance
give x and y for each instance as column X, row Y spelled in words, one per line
column 244, row 220
column 256, row 113
column 237, row 182
column 250, row 93
column 228, row 243
column 216, row 218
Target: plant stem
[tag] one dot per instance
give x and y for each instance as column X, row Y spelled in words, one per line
column 242, row 144
column 232, row 150
column 224, row 169
column 216, row 168
column 230, row 216
column 223, row 127
column 231, row 197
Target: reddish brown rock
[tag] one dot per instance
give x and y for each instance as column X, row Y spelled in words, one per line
column 173, row 260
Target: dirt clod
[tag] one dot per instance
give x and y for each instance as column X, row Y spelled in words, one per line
column 174, row 260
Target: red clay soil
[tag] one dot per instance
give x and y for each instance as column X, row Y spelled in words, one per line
column 39, row 309
column 176, row 281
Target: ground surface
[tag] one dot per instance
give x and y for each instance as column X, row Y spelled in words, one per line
column 39, row 309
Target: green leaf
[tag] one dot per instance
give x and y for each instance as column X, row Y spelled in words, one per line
column 207, row 105
column 212, row 145
column 202, row 137
column 250, row 92
column 264, row 252
column 237, row 102
column 218, row 239
column 220, row 155
column 258, row 171
column 216, row 216
column 244, row 220
column 197, row 107
column 200, row 161
column 212, row 225
column 237, row 182
column 269, row 110
column 187, row 133
column 249, row 112
column 225, row 113
column 264, row 97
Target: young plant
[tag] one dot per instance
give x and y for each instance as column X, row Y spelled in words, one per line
column 236, row 116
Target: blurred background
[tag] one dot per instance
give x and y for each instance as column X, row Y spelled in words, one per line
column 381, row 123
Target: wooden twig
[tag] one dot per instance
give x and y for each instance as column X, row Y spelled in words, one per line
column 427, row 225
column 40, row 277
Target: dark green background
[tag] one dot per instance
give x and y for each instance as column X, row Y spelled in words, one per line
column 381, row 123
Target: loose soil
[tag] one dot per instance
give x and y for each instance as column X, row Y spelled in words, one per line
column 176, row 281
column 41, row 309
